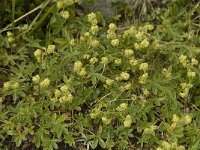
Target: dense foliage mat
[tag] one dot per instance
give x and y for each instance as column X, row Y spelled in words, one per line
column 68, row 77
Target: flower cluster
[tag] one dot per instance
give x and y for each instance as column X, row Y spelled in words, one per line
column 142, row 41
column 79, row 69
column 169, row 146
column 10, row 85
column 122, row 107
column 128, row 121
column 45, row 83
column 38, row 55
column 185, row 89
column 106, row 120
column 50, row 49
column 150, row 130
column 123, row 76
column 63, row 94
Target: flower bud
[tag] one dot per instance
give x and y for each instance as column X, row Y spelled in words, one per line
column 38, row 53
column 50, row 49
column 109, row 81
column 36, row 79
column 128, row 52
column 187, row 119
column 45, row 83
column 105, row 120
column 64, row 14
column 127, row 121
column 115, row 42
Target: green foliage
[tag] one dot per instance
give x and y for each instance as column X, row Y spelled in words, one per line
column 71, row 78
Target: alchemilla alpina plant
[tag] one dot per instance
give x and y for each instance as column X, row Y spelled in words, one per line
column 89, row 83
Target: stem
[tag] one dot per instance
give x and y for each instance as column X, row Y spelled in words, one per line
column 13, row 14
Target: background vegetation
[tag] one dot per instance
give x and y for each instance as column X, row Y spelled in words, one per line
column 74, row 75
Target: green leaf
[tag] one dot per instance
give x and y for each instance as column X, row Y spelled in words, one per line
column 95, row 143
column 102, row 143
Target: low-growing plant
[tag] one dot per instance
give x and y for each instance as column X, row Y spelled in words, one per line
column 78, row 82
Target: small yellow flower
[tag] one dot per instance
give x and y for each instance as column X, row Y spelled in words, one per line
column 144, row 67
column 115, row 42
column 127, row 121
column 45, row 83
column 36, row 79
column 93, row 60
column 175, row 119
column 57, row 93
column 112, row 27
column 133, row 62
column 183, row 60
column 64, row 89
column 7, row 85
column 94, row 43
column 194, row 61
column 38, row 53
column 104, row 60
column 105, row 120
column 94, row 29
column 187, row 119
column 122, row 107
column 82, row 72
column 144, row 43
column 191, row 74
column 128, row 86
column 86, row 56
column 109, row 81
column 183, row 95
column 87, row 34
column 50, row 49
column 128, row 52
column 118, row 61
column 72, row 42
column 166, row 145
column 143, row 78
column 64, row 14
column 77, row 66
column 124, row 76
column 92, row 18
column 9, row 34
column 60, row 4
column 146, row 92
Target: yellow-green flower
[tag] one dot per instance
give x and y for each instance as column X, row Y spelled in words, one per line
column 77, row 66
column 64, row 89
column 144, row 67
column 57, row 93
column 93, row 60
column 128, row 52
column 105, row 120
column 64, row 14
column 187, row 119
column 7, row 85
column 50, row 49
column 194, row 61
column 104, row 60
column 124, row 76
column 36, row 79
column 59, row 4
column 115, row 42
column 122, row 107
column 45, row 83
column 118, row 61
column 109, row 81
column 38, row 53
column 82, row 72
column 127, row 121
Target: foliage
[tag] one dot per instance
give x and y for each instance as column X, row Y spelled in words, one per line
column 72, row 78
